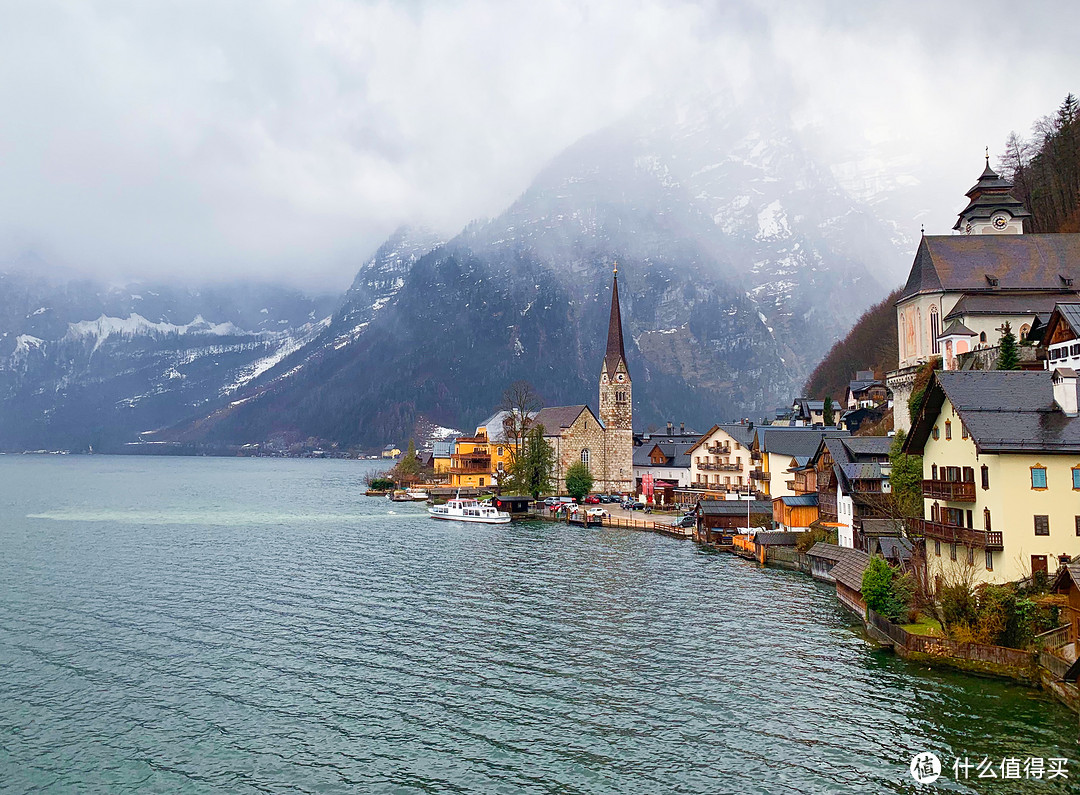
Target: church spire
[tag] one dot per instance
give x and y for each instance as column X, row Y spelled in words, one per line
column 615, row 351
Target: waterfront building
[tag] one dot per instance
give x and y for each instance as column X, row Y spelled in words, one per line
column 1001, row 473
column 963, row 288
column 851, row 474
column 720, row 464
column 440, row 458
column 391, row 451
column 718, row 520
column 664, row 462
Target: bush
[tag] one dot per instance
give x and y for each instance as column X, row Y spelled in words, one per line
column 958, row 606
column 885, row 593
column 806, row 540
column 381, row 484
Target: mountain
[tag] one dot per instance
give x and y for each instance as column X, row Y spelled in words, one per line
column 734, row 247
column 83, row 364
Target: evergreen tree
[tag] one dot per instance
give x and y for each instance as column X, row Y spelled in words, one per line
column 579, row 480
column 532, row 469
column 827, row 412
column 1008, row 356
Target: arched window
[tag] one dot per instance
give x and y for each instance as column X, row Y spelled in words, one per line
column 982, row 337
column 935, row 329
column 585, row 456
column 1024, row 329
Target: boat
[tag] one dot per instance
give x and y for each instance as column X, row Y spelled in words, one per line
column 463, row 510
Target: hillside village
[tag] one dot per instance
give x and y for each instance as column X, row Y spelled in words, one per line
column 959, row 468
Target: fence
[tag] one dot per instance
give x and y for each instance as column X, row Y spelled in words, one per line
column 1054, row 639
column 943, row 647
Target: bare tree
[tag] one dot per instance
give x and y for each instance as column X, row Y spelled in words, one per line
column 521, row 402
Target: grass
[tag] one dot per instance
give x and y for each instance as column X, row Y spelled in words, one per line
column 925, row 626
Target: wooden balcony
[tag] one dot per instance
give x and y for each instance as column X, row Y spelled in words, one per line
column 954, row 491
column 984, row 539
column 827, row 503
column 757, row 474
column 755, row 455
column 720, row 467
column 718, row 449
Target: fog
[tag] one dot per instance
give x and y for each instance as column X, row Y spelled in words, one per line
column 282, row 141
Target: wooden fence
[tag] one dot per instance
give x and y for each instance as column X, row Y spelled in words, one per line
column 1054, row 639
column 943, row 647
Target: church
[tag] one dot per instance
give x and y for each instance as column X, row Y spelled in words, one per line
column 602, row 440
column 964, row 287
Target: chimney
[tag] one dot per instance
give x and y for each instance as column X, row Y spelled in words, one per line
column 1064, row 380
column 682, row 427
column 669, row 427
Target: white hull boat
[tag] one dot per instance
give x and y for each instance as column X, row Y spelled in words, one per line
column 469, row 511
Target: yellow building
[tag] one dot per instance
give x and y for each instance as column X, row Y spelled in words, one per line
column 481, row 460
column 391, row 451
column 440, row 459
column 1001, row 473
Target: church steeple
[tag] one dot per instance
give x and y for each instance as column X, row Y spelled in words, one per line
column 992, row 209
column 615, row 352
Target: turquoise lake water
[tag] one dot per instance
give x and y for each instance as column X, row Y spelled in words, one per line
column 257, row 625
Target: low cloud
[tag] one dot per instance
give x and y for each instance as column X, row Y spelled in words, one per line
column 284, row 140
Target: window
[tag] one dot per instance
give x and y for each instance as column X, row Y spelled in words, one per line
column 963, row 430
column 937, row 548
column 1077, row 525
column 969, row 524
column 989, row 560
column 1042, row 525
column 952, row 551
column 1038, row 477
column 481, row 481
column 933, row 472
column 936, row 434
column 982, row 336
column 585, row 456
column 985, row 470
column 971, row 555
column 935, row 329
column 1076, row 478
column 499, row 451
column 948, row 430
column 986, row 519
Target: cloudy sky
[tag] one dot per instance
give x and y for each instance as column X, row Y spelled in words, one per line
column 280, row 140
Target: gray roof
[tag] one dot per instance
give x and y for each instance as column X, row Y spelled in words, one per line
column 849, row 569
column 957, row 329
column 794, row 500
column 1004, row 304
column 743, row 433
column 961, row 263
column 676, row 453
column 1003, row 411
column 555, row 418
column 868, row 445
column 893, row 548
column 441, row 449
column 826, row 551
column 733, row 507
column 496, row 429
column 794, row 441
column 882, row 527
column 862, row 471
column 773, row 539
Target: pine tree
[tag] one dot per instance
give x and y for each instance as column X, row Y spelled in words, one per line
column 532, row 469
column 1008, row 355
column 827, row 412
column 408, row 468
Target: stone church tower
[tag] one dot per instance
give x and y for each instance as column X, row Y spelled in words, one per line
column 616, row 406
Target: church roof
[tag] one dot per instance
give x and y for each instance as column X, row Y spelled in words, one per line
column 1007, row 304
column 555, row 418
column 963, row 263
column 987, row 196
column 615, row 351
column 957, row 329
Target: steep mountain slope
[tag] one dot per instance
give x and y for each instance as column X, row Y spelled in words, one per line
column 82, row 364
column 732, row 246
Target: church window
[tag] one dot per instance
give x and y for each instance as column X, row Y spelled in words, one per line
column 935, row 329
column 982, row 336
column 1024, row 329
column 585, row 456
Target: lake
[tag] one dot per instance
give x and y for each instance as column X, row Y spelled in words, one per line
column 258, row 625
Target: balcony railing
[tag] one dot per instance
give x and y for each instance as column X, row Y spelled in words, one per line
column 718, row 449
column 757, row 474
column 755, row 455
column 827, row 503
column 955, row 491
column 719, row 467
column 986, row 539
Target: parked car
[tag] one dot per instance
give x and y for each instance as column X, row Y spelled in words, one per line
column 567, row 500
column 687, row 521
column 632, row 505
column 549, row 501
column 597, row 512
column 592, row 499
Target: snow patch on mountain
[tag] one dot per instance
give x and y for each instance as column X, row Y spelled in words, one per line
column 773, row 222
column 134, row 325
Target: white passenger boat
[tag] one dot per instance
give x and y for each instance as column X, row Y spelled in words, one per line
column 469, row 511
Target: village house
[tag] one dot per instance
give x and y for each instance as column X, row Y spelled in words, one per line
column 718, row 520
column 662, row 466
column 720, row 464
column 1001, row 473
column 440, row 458
column 1060, row 337
column 1067, row 583
column 852, row 478
column 795, row 512
column 844, row 567
column 391, row 451
column 864, row 391
column 963, row 288
column 772, row 452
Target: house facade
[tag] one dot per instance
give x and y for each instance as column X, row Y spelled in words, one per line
column 1001, row 473
column 720, row 464
column 772, row 453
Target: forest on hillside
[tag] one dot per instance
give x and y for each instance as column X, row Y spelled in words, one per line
column 1045, row 171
